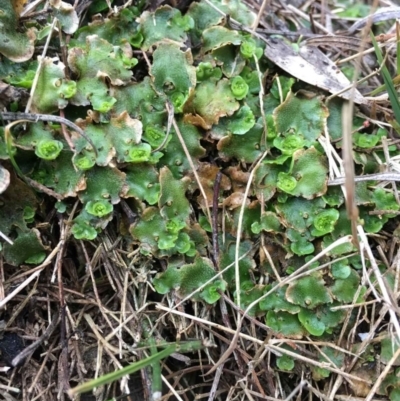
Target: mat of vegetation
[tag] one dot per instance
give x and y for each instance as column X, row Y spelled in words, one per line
column 173, row 201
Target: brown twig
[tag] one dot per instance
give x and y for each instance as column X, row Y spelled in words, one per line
column 28, row 351
column 217, row 185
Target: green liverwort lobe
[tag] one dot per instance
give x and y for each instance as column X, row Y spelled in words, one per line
column 48, row 150
column 286, row 182
column 139, row 153
column 289, row 144
column 84, row 162
column 178, row 100
column 204, row 71
column 99, row 208
column 154, row 135
column 239, row 87
column 136, row 39
column 175, row 225
column 325, row 221
column 83, row 230
column 248, row 48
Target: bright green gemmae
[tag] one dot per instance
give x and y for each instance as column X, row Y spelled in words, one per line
column 99, row 208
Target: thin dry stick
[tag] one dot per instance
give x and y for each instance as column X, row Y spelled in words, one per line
column 297, row 274
column 29, row 7
column 42, row 366
column 96, row 293
column 298, row 388
column 240, row 225
column 323, row 365
column 385, row 148
column 261, row 100
column 34, row 275
column 368, row 177
column 347, row 118
column 96, row 332
column 63, row 358
column 216, row 188
column 28, row 351
column 365, row 52
column 361, row 349
column 216, row 380
column 382, row 376
column 382, row 286
column 189, row 157
column 39, row 68
column 260, row 13
column 349, row 183
column 111, row 350
column 275, row 349
column 6, row 238
column 28, row 117
column 296, row 11
column 173, row 391
column 350, row 87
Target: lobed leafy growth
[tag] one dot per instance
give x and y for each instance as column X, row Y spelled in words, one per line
column 144, row 116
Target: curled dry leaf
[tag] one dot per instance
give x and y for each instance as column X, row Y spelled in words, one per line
column 312, row 66
column 4, row 179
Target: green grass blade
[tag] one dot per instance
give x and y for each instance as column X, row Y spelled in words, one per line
column 134, row 367
column 398, row 46
column 156, row 384
column 394, row 100
column 118, row 374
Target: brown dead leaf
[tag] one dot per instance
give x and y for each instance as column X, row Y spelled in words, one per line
column 207, row 174
column 235, row 200
column 18, row 5
column 239, row 178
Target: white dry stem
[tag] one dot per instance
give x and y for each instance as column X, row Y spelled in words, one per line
column 350, row 87
column 32, row 277
column 261, row 97
column 299, row 387
column 302, row 271
column 273, row 348
column 110, row 349
column 30, row 7
column 239, row 229
column 6, row 238
column 189, row 157
column 8, row 388
column 216, row 380
column 197, row 290
column 39, row 68
column 382, row 376
column 173, row 391
column 393, row 317
column 259, row 14
column 365, row 52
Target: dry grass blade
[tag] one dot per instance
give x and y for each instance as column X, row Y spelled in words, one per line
column 28, row 351
column 352, row 210
column 32, row 277
column 2, row 235
column 36, row 78
column 383, row 14
column 382, row 286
